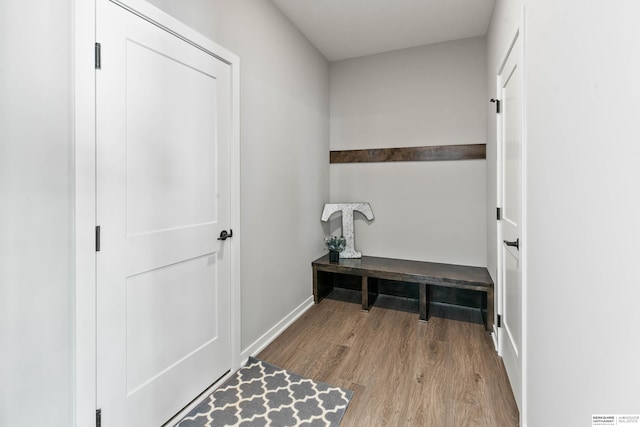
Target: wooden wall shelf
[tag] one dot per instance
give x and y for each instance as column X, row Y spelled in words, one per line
column 411, row 154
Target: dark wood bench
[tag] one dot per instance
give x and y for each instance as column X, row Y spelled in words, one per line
column 425, row 274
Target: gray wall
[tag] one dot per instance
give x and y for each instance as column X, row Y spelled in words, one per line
column 284, row 121
column 36, row 253
column 582, row 92
column 429, row 95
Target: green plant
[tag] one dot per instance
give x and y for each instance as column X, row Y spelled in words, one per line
column 335, row 243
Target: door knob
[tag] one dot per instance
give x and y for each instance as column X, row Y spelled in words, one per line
column 224, row 235
column 515, row 244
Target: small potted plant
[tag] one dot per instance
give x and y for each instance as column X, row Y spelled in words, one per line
column 335, row 245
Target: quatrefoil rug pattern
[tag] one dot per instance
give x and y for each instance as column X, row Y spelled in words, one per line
column 261, row 394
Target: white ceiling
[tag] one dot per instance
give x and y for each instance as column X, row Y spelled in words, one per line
column 343, row 29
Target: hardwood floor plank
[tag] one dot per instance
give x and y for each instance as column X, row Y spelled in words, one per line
column 467, row 392
column 357, row 406
column 403, row 372
column 430, row 373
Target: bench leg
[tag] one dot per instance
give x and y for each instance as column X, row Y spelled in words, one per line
column 424, row 302
column 369, row 292
column 365, row 293
column 316, row 297
column 322, row 284
column 488, row 325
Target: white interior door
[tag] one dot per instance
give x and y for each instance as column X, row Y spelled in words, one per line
column 510, row 122
column 163, row 189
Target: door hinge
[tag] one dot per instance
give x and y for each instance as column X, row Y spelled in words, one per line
column 499, row 321
column 98, row 57
column 498, row 214
column 98, row 417
column 497, row 102
column 97, row 238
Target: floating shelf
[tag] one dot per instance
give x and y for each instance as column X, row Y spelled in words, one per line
column 411, row 154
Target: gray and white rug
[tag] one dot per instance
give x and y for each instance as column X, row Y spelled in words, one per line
column 261, row 394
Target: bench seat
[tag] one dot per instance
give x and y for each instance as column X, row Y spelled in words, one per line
column 425, row 274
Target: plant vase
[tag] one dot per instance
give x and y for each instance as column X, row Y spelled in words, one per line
column 335, row 245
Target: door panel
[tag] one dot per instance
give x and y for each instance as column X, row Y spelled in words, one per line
column 512, row 312
column 510, row 121
column 163, row 280
column 157, row 338
column 169, row 186
column 512, row 131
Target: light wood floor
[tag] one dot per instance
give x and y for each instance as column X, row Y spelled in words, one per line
column 403, row 372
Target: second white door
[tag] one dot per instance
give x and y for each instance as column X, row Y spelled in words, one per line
column 510, row 309
column 163, row 277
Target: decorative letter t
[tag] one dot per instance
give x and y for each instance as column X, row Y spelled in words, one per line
column 347, row 223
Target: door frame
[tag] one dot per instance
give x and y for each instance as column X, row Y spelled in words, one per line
column 84, row 187
column 517, row 33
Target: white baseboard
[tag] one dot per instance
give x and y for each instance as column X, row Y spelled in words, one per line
column 268, row 337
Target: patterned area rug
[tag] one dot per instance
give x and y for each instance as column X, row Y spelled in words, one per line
column 261, row 394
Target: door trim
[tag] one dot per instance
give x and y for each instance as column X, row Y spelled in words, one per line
column 518, row 32
column 84, row 187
